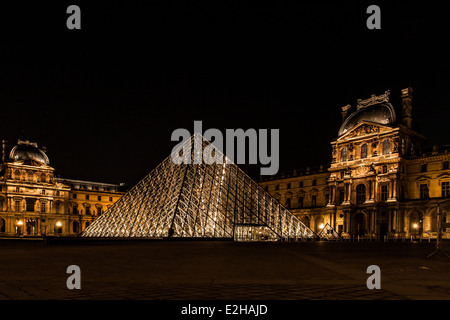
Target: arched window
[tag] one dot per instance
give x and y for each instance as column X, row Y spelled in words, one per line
column 364, row 151
column 387, row 146
column 17, row 174
column 361, row 193
column 343, row 154
column 30, row 176
column 43, row 178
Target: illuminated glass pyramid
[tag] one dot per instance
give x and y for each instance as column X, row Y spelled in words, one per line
column 198, row 201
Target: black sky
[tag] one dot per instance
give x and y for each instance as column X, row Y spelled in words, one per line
column 105, row 99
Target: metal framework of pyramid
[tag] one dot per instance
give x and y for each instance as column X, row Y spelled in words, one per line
column 198, row 201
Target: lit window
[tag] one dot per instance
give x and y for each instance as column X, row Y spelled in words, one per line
column 446, row 189
column 387, row 146
column 364, row 151
column 17, row 205
column 343, row 154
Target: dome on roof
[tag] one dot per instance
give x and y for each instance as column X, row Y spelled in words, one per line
column 382, row 113
column 25, row 150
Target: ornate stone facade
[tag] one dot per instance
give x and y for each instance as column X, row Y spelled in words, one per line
column 34, row 203
column 380, row 181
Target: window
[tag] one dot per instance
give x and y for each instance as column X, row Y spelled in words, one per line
column 75, row 209
column 57, row 207
column 88, row 210
column 384, row 169
column 423, row 168
column 43, row 191
column 300, row 202
column 343, row 154
column 424, row 191
column 43, row 178
column 277, row 187
column 341, row 195
column 74, row 196
column 30, row 204
column 342, row 174
column 16, row 205
column 446, row 189
column 87, row 197
column 313, row 200
column 300, row 184
column 387, row 146
column 42, row 206
column 364, row 151
column 99, row 210
column 57, row 193
column 17, row 189
column 99, row 198
column 110, row 198
column 384, row 192
column 314, row 182
column 445, row 165
column 288, row 203
column 361, row 193
column 327, row 198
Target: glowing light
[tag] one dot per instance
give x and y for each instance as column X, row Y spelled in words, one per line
column 321, row 226
column 58, row 224
column 20, row 222
column 415, row 225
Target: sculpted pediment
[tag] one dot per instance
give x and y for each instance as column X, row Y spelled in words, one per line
column 365, row 128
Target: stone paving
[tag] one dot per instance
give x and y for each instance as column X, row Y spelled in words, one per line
column 197, row 270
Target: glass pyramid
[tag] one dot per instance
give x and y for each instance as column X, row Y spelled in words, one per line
column 198, row 201
column 328, row 232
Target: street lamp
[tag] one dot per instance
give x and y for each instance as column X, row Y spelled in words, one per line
column 19, row 227
column 415, row 226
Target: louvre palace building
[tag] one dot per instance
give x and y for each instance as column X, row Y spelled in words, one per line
column 33, row 202
column 380, row 182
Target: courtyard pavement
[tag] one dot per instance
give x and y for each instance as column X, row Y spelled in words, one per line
column 210, row 270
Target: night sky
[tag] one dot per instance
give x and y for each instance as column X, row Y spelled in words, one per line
column 105, row 99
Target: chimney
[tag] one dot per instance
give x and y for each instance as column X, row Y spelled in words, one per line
column 3, row 151
column 407, row 106
column 344, row 112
